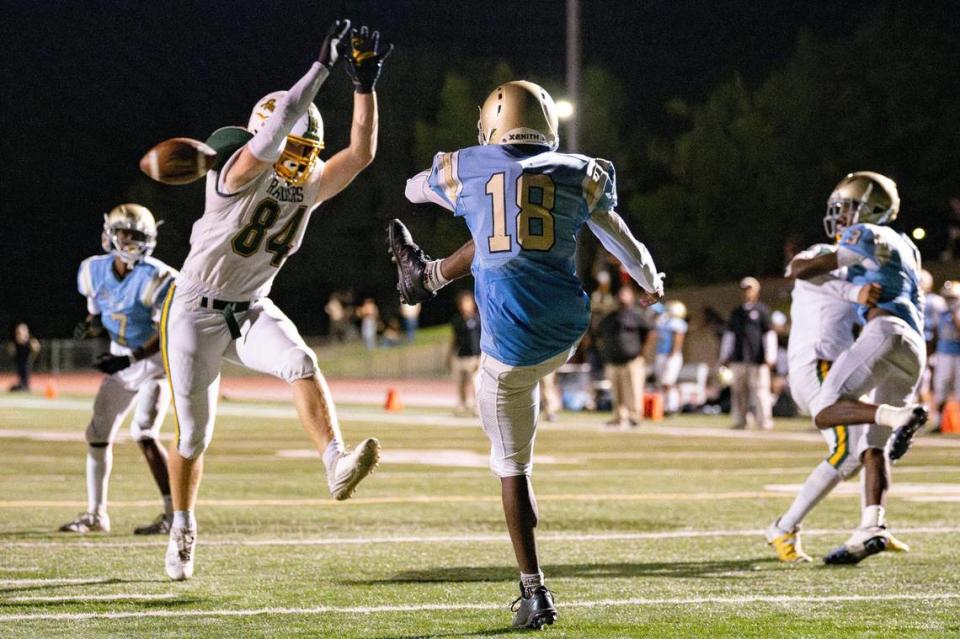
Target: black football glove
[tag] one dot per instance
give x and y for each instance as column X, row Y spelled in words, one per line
column 90, row 327
column 365, row 58
column 330, row 51
column 110, row 364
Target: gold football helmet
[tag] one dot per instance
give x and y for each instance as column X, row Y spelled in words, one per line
column 129, row 232
column 951, row 290
column 519, row 112
column 861, row 197
column 676, row 309
column 304, row 143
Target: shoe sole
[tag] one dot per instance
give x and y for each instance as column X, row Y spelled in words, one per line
column 544, row 619
column 903, row 436
column 843, row 557
column 368, row 461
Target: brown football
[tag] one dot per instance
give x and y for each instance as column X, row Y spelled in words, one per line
column 178, row 161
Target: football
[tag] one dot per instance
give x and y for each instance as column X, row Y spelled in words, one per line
column 178, row 161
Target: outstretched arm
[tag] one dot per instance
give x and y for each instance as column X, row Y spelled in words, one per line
column 613, row 233
column 365, row 59
column 266, row 146
column 807, row 268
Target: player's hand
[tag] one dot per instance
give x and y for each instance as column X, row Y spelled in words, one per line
column 365, row 58
column 88, row 328
column 869, row 295
column 330, row 50
column 110, row 364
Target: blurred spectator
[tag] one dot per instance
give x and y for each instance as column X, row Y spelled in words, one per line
column 369, row 316
column 952, row 249
column 24, row 349
column 624, row 335
column 549, row 396
column 749, row 347
column 411, row 319
column 341, row 328
column 602, row 300
column 946, row 375
column 933, row 306
column 671, row 330
column 464, row 355
column 713, row 321
column 392, row 332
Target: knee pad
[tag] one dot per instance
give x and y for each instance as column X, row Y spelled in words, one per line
column 97, row 434
column 297, row 363
column 512, row 466
column 141, row 432
column 192, row 444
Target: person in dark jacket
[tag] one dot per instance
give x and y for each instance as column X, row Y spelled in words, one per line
column 625, row 335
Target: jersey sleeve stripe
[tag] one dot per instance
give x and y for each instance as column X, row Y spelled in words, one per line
column 86, row 279
column 450, row 176
column 593, row 185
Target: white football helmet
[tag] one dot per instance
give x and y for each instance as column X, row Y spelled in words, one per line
column 304, row 143
column 519, row 112
column 677, row 309
column 129, row 232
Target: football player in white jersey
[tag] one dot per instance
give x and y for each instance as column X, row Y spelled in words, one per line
column 823, row 313
column 124, row 290
column 258, row 202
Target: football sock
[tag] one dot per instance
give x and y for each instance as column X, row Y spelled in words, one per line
column 184, row 519
column 893, row 416
column 872, row 516
column 332, row 454
column 433, row 278
column 168, row 505
column 99, row 463
column 529, row 582
column 818, row 485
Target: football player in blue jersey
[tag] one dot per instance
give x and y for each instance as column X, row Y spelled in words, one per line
column 524, row 204
column 888, row 357
column 946, row 374
column 125, row 289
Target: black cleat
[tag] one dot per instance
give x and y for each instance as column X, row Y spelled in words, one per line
column 534, row 609
column 902, row 437
column 411, row 263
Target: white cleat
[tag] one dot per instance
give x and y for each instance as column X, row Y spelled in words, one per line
column 350, row 468
column 180, row 553
column 87, row 523
column 863, row 543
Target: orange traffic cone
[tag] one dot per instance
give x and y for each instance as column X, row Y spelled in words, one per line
column 653, row 406
column 393, row 401
column 50, row 390
column 950, row 419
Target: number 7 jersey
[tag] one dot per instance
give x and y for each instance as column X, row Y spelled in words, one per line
column 239, row 244
column 524, row 212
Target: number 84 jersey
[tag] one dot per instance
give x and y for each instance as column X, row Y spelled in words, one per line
column 524, row 211
column 243, row 238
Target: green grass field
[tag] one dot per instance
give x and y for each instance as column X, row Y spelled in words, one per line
column 653, row 533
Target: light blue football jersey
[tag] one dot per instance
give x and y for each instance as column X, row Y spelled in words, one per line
column 948, row 338
column 891, row 260
column 667, row 330
column 524, row 211
column 128, row 308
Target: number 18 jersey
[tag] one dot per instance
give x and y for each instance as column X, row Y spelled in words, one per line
column 239, row 244
column 524, row 211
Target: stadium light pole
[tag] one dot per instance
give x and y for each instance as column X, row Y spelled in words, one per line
column 573, row 71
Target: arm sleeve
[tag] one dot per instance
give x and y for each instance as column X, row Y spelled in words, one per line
column 842, row 289
column 600, row 186
column 443, row 180
column 267, row 143
column 770, row 347
column 613, row 233
column 726, row 346
column 419, row 191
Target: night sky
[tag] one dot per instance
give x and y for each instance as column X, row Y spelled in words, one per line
column 89, row 87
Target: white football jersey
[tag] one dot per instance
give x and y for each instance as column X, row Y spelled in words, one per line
column 822, row 314
column 239, row 244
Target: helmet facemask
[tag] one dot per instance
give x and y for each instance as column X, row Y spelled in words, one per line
column 297, row 160
column 841, row 214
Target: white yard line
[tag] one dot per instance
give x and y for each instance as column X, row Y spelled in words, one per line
column 285, row 411
column 446, row 607
column 460, row 539
column 85, row 598
column 55, row 581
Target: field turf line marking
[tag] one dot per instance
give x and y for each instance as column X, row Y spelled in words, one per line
column 603, row 603
column 56, row 581
column 478, row 538
column 86, row 598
